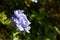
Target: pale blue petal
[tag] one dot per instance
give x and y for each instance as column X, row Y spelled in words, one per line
column 20, row 27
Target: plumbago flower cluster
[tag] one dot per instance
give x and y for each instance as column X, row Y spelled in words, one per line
column 21, row 21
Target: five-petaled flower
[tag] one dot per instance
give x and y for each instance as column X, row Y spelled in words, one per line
column 21, row 21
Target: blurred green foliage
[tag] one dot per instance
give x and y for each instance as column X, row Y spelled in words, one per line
column 44, row 17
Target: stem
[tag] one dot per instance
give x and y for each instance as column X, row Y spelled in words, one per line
column 23, row 35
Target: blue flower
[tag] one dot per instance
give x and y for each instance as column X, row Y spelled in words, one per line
column 21, row 21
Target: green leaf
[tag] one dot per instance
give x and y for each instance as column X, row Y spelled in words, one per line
column 57, row 30
column 27, row 3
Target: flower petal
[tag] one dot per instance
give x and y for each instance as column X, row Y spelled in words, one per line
column 34, row 1
column 19, row 27
column 27, row 30
column 15, row 19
